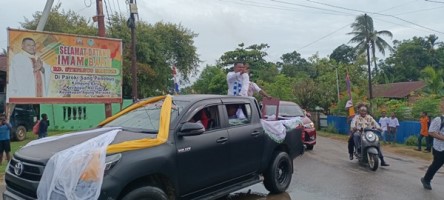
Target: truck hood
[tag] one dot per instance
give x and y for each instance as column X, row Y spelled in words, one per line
column 41, row 153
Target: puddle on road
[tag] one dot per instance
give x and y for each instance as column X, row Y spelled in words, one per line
column 258, row 196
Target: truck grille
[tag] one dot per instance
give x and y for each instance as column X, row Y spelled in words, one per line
column 30, row 171
column 21, row 190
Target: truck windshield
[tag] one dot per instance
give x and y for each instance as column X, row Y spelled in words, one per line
column 146, row 119
column 285, row 110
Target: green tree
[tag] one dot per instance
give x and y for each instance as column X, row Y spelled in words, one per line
column 433, row 79
column 344, row 54
column 212, row 80
column 413, row 55
column 254, row 55
column 281, row 87
column 293, row 65
column 367, row 37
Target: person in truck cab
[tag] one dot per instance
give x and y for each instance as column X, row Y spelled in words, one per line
column 235, row 112
column 363, row 121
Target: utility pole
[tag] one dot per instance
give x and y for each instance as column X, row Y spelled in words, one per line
column 45, row 14
column 132, row 25
column 100, row 18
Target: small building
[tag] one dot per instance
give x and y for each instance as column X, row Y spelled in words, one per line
column 3, row 69
column 400, row 90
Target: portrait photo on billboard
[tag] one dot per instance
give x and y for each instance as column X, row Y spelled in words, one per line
column 47, row 67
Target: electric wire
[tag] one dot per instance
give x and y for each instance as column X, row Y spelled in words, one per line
column 375, row 13
column 107, row 12
column 325, row 36
column 398, row 6
column 417, row 11
column 279, row 7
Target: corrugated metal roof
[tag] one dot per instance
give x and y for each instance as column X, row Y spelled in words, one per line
column 397, row 90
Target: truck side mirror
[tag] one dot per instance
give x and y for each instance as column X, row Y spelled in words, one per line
column 190, row 129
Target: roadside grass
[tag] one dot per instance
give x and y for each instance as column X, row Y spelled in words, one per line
column 16, row 145
column 400, row 149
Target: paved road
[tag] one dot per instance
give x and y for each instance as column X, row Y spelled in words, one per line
column 326, row 173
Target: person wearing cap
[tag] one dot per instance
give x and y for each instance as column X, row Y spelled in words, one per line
column 362, row 121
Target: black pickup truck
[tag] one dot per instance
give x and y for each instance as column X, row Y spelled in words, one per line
column 220, row 154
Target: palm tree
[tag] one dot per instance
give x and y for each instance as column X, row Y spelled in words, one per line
column 367, row 37
column 433, row 79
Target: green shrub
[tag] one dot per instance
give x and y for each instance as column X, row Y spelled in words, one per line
column 413, row 141
column 331, row 128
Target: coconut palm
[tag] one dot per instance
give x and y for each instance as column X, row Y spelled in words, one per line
column 367, row 37
column 433, row 79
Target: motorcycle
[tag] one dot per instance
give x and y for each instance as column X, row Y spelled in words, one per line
column 369, row 150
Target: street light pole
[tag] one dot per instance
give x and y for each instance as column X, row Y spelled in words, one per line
column 337, row 82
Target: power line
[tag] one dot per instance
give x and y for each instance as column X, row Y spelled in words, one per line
column 398, row 6
column 323, row 37
column 107, row 12
column 254, row 4
column 417, row 11
column 312, row 7
column 435, row 1
column 118, row 5
column 387, row 15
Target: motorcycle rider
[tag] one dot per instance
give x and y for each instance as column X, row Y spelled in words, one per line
column 363, row 121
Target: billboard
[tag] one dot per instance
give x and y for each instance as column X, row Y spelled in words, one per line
column 46, row 67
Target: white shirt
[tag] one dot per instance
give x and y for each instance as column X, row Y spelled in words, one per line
column 393, row 122
column 434, row 127
column 253, row 87
column 21, row 79
column 238, row 83
column 384, row 121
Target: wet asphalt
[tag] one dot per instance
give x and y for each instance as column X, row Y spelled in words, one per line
column 327, row 173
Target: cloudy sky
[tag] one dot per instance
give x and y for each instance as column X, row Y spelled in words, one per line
column 307, row 26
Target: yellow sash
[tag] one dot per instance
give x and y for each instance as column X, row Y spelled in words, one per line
column 164, row 126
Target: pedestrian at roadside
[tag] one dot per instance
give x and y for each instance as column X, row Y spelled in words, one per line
column 384, row 121
column 436, row 131
column 429, row 138
column 424, row 133
column 5, row 139
column 238, row 80
column 393, row 127
column 43, row 127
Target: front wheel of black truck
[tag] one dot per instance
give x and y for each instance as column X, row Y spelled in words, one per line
column 277, row 178
column 146, row 193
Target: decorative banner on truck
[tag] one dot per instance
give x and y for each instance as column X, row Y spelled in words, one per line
column 49, row 67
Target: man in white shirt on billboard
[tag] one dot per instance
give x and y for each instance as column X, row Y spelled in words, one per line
column 28, row 74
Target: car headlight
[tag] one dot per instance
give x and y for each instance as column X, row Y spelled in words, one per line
column 309, row 125
column 370, row 136
column 111, row 161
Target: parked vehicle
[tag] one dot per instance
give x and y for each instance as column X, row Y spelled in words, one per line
column 369, row 150
column 22, row 120
column 288, row 110
column 205, row 160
